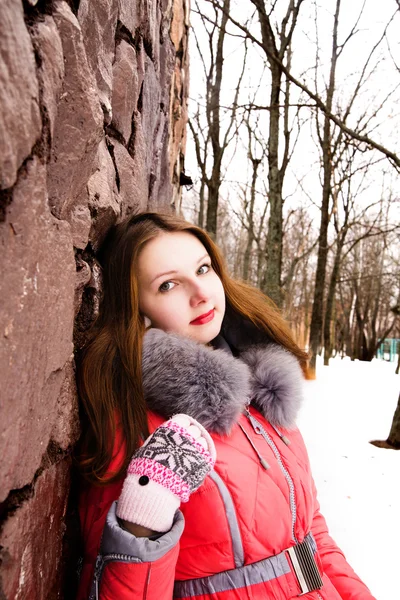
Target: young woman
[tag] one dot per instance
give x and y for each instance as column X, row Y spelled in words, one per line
column 198, row 483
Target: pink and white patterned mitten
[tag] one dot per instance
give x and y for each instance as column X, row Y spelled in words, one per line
column 172, row 463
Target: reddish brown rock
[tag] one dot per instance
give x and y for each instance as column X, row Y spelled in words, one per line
column 31, row 539
column 66, row 427
column 98, row 21
column 81, row 221
column 83, row 276
column 48, row 47
column 179, row 22
column 104, row 200
column 20, row 122
column 150, row 17
column 36, row 287
column 79, row 124
column 150, row 109
column 126, row 87
column 128, row 15
column 133, row 179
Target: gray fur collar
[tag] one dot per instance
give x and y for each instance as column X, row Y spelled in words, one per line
column 182, row 376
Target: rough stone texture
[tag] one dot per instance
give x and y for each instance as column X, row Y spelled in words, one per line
column 36, row 288
column 20, row 122
column 98, row 21
column 66, row 424
column 50, row 72
column 79, row 122
column 92, row 128
column 104, row 202
column 127, row 85
column 132, row 190
column 25, row 557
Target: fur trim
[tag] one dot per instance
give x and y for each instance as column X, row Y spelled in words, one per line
column 276, row 382
column 183, row 376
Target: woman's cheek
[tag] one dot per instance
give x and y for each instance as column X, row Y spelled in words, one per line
column 171, row 314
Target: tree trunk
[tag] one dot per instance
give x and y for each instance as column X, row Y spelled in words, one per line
column 272, row 278
column 330, row 302
column 277, row 50
column 393, row 441
column 200, row 221
column 250, row 232
column 212, row 205
column 318, row 305
column 215, row 128
column 394, row 435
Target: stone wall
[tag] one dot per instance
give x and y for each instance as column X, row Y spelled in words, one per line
column 92, row 127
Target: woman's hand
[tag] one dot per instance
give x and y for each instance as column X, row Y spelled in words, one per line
column 172, row 463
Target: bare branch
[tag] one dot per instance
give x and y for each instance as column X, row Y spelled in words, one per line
column 392, row 156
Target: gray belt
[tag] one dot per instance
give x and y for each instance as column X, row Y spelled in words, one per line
column 297, row 561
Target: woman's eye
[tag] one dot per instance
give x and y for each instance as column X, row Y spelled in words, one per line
column 166, row 286
column 204, row 269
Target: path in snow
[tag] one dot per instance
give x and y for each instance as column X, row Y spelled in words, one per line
column 349, row 404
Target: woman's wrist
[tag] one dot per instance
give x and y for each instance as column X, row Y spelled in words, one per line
column 136, row 530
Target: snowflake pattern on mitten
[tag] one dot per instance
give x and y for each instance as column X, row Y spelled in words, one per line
column 174, row 459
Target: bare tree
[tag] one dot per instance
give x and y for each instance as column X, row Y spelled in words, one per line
column 334, row 142
column 372, row 280
column 254, row 145
column 211, row 142
column 365, row 140
column 299, row 244
column 275, row 41
column 349, row 183
column 333, row 113
column 325, row 141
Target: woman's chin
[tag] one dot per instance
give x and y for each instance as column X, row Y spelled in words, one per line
column 207, row 332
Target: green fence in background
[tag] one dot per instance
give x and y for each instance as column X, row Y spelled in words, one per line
column 388, row 350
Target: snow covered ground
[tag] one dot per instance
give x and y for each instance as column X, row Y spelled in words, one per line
column 358, row 485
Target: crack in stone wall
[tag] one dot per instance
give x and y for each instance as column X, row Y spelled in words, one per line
column 92, row 128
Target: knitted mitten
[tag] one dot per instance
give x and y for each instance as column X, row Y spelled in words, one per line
column 172, row 463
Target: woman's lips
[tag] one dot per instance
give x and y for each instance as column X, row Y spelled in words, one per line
column 206, row 318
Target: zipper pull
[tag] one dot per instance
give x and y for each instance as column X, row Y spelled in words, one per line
column 262, row 460
column 97, row 570
column 255, row 424
column 284, row 439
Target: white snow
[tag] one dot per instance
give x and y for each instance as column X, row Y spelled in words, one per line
column 349, row 404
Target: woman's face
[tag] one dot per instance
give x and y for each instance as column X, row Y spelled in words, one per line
column 178, row 289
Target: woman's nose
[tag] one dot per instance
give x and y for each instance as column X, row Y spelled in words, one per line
column 198, row 295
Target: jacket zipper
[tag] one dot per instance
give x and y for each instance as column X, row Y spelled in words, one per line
column 100, row 564
column 259, row 429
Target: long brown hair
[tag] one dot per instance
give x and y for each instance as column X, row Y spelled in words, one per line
column 109, row 377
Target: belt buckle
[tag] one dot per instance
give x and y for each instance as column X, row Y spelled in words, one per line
column 305, row 568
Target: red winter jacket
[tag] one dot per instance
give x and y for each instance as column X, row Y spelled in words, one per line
column 231, row 540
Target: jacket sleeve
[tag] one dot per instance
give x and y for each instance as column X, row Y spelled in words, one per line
column 132, row 568
column 335, row 566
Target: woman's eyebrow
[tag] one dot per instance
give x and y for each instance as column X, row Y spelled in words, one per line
column 173, row 272
column 203, row 257
column 162, row 275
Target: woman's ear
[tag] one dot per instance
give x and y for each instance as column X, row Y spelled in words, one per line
column 147, row 322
